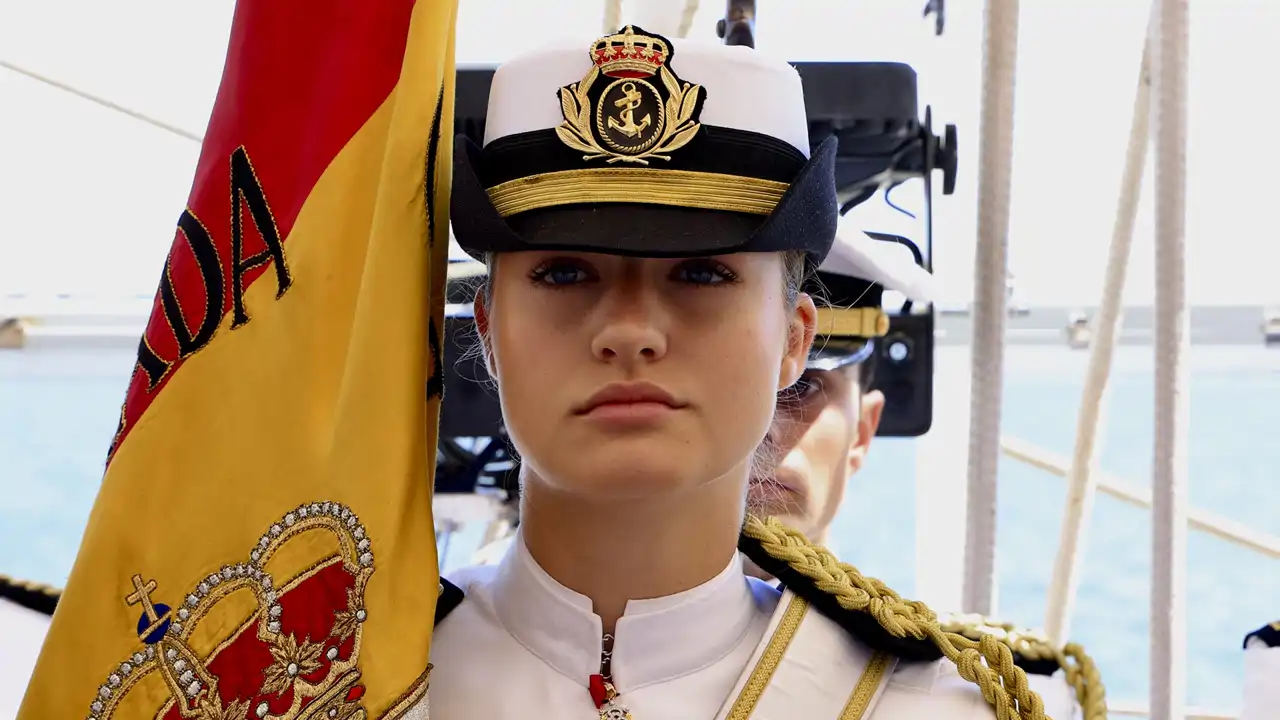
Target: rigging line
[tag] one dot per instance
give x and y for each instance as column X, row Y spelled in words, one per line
column 1082, row 476
column 686, row 18
column 612, row 15
column 101, row 101
column 1172, row 341
column 990, row 302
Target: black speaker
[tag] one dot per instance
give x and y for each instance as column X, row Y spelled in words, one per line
column 904, row 373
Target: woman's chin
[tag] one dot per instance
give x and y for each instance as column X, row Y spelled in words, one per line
column 628, row 481
column 613, row 471
column 622, row 466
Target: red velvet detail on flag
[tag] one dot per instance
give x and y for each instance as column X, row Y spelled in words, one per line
column 311, row 611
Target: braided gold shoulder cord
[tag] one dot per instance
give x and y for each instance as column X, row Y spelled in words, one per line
column 986, row 661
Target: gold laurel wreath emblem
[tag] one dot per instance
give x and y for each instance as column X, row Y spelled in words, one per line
column 679, row 129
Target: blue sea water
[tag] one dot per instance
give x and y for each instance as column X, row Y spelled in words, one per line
column 58, row 411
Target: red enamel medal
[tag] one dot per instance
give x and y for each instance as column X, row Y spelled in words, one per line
column 606, row 699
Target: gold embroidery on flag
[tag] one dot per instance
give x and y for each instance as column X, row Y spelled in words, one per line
column 295, row 657
column 207, row 279
column 417, row 692
column 246, row 187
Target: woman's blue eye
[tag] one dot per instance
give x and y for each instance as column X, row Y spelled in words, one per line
column 565, row 275
column 703, row 273
column 560, row 274
column 694, row 272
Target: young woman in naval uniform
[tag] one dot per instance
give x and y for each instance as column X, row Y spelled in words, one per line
column 648, row 212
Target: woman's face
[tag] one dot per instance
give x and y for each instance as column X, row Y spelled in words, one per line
column 633, row 377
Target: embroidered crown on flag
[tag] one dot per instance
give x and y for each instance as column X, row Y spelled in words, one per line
column 292, row 651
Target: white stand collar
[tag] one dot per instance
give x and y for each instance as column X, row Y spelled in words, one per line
column 656, row 640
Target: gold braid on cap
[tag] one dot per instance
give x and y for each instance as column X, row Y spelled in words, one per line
column 985, row 660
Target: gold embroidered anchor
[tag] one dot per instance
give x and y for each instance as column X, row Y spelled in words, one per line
column 629, row 101
column 602, row 123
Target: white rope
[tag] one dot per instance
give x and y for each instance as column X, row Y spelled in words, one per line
column 686, row 19
column 1172, row 379
column 612, row 16
column 1082, row 478
column 101, row 101
column 673, row 18
column 1000, row 55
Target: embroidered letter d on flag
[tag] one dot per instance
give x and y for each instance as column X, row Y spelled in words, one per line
column 262, row 545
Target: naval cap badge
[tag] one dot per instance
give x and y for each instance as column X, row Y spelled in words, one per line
column 617, row 112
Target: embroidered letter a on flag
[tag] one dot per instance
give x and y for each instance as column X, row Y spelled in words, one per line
column 262, row 544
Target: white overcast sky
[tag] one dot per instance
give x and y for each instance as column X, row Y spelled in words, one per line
column 89, row 197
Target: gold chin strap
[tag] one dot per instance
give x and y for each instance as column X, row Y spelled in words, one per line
column 985, row 661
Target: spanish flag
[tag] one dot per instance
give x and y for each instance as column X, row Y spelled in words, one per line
column 262, row 544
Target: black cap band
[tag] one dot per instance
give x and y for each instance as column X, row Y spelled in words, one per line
column 803, row 219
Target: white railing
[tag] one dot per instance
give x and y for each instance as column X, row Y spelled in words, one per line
column 1234, row 532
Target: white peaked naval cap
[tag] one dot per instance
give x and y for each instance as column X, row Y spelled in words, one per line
column 637, row 144
column 745, row 90
column 889, row 264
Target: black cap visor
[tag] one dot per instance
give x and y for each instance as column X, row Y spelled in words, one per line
column 833, row 353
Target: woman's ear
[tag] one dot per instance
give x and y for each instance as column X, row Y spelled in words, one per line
column 801, row 330
column 481, row 313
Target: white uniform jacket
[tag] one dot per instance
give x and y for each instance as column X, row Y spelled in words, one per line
column 520, row 645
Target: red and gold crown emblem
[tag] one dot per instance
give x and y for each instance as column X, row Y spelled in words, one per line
column 629, row 54
column 618, row 112
column 274, row 637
